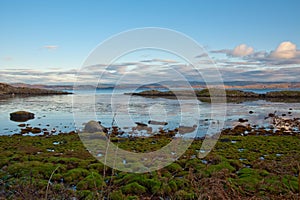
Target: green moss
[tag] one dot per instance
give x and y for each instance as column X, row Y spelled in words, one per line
column 291, row 183
column 26, row 166
column 92, row 182
column 75, row 175
column 173, row 168
column 173, row 185
column 152, row 185
column 165, row 190
column 98, row 167
column 218, row 167
column 116, row 195
column 181, row 194
column 182, row 182
column 133, row 188
column 34, row 169
column 86, row 194
column 132, row 198
column 264, row 173
column 249, row 179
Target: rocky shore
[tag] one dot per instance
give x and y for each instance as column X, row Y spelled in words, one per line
column 7, row 91
column 275, row 124
column 248, row 162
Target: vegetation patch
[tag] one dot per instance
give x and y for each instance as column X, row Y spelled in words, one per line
column 261, row 167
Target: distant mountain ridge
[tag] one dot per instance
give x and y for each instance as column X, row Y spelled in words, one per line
column 179, row 84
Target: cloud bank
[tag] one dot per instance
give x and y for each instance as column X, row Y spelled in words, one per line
column 286, row 53
column 242, row 63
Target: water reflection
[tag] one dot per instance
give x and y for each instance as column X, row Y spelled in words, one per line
column 55, row 112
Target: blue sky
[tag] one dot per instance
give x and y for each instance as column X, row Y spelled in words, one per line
column 47, row 37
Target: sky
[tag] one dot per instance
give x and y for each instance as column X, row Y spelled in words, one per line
column 48, row 42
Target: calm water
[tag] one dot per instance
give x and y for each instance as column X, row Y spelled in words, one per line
column 57, row 112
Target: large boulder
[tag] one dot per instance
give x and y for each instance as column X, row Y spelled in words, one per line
column 21, row 116
column 94, row 126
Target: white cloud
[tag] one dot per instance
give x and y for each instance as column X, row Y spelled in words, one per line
column 50, row 47
column 242, row 50
column 239, row 51
column 285, row 54
column 285, row 50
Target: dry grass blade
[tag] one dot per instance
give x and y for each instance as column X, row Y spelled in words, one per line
column 46, row 196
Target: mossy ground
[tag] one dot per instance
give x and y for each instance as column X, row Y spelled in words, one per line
column 251, row 167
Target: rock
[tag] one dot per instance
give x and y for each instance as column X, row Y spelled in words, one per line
column 22, row 125
column 242, row 120
column 240, row 129
column 186, row 129
column 21, row 116
column 26, row 130
column 115, row 130
column 72, row 133
column 142, row 128
column 157, row 122
column 29, row 129
column 140, row 124
column 251, row 112
column 36, row 130
column 271, row 114
column 93, row 126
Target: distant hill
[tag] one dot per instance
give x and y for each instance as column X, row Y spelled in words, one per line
column 7, row 90
column 178, row 84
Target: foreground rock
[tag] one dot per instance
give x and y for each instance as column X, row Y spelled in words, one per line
column 94, row 126
column 21, row 116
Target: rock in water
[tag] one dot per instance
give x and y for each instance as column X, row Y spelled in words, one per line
column 21, row 116
column 140, row 124
column 153, row 122
column 93, row 126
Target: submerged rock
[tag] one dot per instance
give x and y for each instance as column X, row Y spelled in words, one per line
column 21, row 116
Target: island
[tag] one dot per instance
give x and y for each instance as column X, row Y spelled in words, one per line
column 230, row 95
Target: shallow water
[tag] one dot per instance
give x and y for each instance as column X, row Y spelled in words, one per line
column 57, row 112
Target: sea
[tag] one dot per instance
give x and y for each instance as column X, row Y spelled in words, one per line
column 112, row 107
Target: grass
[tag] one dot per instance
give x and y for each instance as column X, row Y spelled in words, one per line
column 257, row 167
